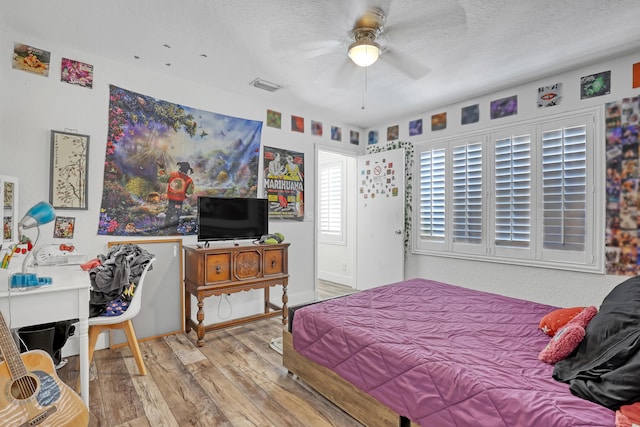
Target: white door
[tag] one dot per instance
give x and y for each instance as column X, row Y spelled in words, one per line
column 380, row 219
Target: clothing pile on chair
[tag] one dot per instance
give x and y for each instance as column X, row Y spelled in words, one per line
column 114, row 277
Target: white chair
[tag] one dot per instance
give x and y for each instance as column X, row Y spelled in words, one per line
column 101, row 323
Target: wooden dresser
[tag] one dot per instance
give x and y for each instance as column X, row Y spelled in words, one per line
column 228, row 269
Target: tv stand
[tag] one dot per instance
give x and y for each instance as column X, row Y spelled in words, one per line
column 229, row 269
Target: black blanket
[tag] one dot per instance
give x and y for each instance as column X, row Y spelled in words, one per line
column 605, row 368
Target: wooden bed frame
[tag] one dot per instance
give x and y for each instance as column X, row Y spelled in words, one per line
column 343, row 394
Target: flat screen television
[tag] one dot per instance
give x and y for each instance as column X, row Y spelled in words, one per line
column 232, row 218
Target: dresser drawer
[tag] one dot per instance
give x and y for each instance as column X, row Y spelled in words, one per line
column 247, row 264
column 218, row 267
column 274, row 262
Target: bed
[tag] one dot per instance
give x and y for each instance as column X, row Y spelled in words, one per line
column 421, row 352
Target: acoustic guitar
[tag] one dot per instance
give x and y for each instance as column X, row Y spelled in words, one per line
column 31, row 394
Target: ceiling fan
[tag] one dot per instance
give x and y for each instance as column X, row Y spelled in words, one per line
column 369, row 37
column 364, row 51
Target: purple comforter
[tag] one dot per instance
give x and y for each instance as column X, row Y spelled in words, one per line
column 444, row 355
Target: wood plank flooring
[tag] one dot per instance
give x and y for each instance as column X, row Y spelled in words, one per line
column 328, row 289
column 235, row 379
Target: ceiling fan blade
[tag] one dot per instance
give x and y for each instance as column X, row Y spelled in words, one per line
column 297, row 50
column 449, row 19
column 319, row 48
column 344, row 74
column 383, row 5
column 404, row 63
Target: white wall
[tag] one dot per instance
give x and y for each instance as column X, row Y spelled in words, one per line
column 33, row 105
column 561, row 288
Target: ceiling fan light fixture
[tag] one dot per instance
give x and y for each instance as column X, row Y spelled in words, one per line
column 364, row 52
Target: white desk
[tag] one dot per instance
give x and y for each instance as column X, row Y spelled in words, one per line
column 67, row 298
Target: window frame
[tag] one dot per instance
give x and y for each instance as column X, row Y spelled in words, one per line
column 589, row 260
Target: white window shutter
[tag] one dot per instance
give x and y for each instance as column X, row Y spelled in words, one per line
column 331, row 201
column 432, row 195
column 564, row 187
column 513, row 191
column 467, row 193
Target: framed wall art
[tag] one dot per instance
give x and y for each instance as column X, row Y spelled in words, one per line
column 68, row 183
column 8, row 211
column 64, row 226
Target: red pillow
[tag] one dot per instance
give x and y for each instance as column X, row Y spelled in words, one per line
column 563, row 343
column 628, row 415
column 557, row 319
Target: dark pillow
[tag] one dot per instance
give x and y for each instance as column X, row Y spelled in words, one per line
column 619, row 316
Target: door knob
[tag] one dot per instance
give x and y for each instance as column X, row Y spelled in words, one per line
column 398, row 231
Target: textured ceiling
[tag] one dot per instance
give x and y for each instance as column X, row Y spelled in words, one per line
column 466, row 47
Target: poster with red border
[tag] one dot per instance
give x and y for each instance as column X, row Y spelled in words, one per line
column 284, row 183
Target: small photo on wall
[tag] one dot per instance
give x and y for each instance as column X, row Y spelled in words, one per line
column 470, row 114
column 63, row 228
column 274, row 119
column 297, row 124
column 31, row 59
column 354, row 137
column 636, row 75
column 373, row 137
column 439, row 121
column 393, row 132
column 595, row 85
column 336, row 133
column 76, row 73
column 316, row 128
column 504, row 107
column 7, row 227
column 630, row 111
column 415, row 127
column 549, row 96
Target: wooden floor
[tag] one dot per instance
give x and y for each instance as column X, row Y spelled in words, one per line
column 235, row 379
column 329, row 289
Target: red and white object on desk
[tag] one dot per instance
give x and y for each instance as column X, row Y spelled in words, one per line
column 57, row 254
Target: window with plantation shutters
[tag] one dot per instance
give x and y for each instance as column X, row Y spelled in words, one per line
column 519, row 194
column 564, row 187
column 331, row 201
column 432, row 194
column 467, row 193
column 513, row 191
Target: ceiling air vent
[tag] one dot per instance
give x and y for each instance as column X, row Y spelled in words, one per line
column 265, row 85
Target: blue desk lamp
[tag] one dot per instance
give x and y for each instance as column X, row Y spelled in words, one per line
column 41, row 213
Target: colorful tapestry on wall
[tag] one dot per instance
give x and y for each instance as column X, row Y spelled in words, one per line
column 161, row 156
column 284, row 183
column 623, row 176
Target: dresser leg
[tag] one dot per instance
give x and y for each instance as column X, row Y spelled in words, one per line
column 200, row 316
column 285, row 300
column 267, row 298
column 187, row 311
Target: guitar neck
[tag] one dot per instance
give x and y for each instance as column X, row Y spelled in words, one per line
column 10, row 351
